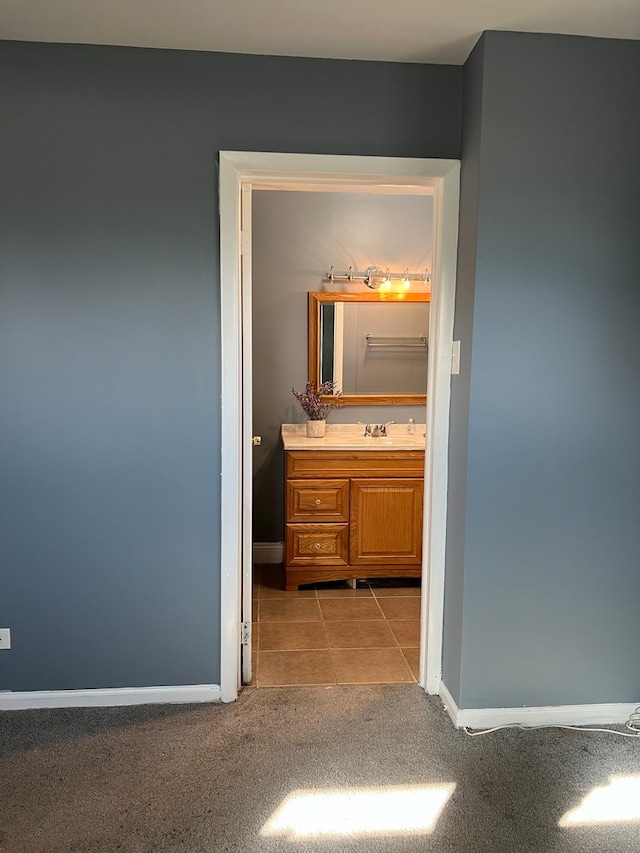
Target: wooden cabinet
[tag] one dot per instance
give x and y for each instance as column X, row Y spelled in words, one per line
column 353, row 514
column 386, row 523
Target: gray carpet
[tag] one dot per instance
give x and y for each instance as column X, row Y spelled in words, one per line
column 207, row 778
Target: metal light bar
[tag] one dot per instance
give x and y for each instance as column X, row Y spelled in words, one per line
column 373, row 277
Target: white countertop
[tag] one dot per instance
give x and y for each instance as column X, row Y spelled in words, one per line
column 351, row 437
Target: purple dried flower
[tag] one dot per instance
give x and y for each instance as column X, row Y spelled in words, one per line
column 317, row 400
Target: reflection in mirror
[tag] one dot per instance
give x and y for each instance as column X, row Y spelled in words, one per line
column 375, row 349
column 372, row 346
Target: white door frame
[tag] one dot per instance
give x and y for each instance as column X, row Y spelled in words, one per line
column 272, row 170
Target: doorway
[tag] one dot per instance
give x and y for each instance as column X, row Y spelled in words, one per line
column 240, row 174
column 325, row 632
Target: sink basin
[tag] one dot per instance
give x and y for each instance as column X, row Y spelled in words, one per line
column 351, row 437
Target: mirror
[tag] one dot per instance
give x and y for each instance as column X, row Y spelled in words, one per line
column 373, row 346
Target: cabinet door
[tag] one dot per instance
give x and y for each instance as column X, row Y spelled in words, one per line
column 386, row 522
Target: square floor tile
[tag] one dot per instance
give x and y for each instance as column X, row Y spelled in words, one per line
column 289, row 610
column 370, row 666
column 406, row 631
column 280, row 636
column 360, row 635
column 413, row 659
column 346, row 609
column 289, row 669
column 400, row 608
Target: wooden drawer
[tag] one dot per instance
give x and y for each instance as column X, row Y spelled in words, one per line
column 317, row 500
column 317, row 544
column 318, row 464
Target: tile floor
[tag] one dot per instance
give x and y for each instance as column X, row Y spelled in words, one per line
column 332, row 634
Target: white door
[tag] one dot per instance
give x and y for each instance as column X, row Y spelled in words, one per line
column 247, row 430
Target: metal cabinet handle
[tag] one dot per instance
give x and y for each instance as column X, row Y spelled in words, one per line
column 318, row 501
column 317, row 546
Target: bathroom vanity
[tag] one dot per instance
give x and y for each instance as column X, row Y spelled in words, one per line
column 353, row 504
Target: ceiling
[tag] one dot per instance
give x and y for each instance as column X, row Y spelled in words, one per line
column 440, row 31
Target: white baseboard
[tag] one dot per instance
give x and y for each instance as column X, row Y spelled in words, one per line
column 268, row 552
column 106, row 697
column 449, row 704
column 544, row 715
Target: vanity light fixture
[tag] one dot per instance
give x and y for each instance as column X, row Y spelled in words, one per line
column 375, row 279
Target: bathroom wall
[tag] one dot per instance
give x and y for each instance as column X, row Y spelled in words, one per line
column 110, row 331
column 297, row 236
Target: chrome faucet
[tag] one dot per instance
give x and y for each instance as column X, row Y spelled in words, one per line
column 375, row 430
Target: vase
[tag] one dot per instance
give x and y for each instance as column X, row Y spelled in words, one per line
column 315, row 429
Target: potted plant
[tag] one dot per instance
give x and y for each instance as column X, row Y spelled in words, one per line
column 316, row 400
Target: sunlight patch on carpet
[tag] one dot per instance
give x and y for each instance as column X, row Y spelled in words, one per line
column 617, row 802
column 353, row 812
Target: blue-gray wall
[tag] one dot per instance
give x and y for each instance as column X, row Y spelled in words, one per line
column 549, row 565
column 109, row 331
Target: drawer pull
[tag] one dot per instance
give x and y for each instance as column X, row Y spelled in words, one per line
column 318, row 501
column 317, row 546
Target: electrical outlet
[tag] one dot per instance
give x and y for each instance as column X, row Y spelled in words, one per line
column 5, row 638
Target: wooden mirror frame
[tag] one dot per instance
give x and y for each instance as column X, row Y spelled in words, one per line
column 316, row 300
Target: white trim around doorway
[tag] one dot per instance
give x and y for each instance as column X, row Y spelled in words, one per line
column 271, row 170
